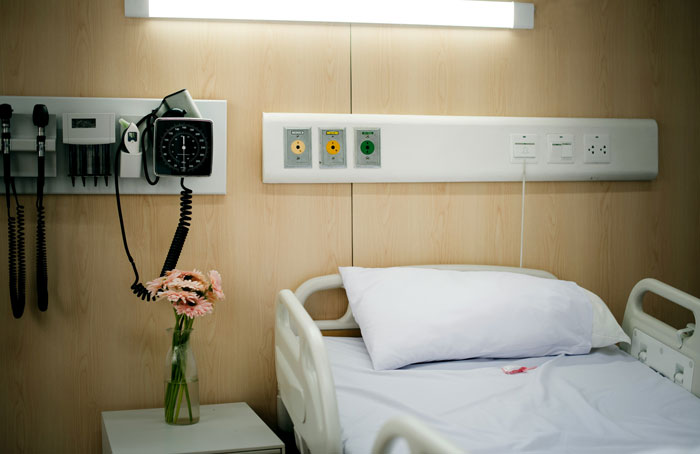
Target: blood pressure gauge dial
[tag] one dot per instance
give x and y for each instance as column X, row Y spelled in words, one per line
column 183, row 147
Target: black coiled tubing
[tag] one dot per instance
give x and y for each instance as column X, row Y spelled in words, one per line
column 41, row 263
column 183, row 227
column 21, row 258
column 12, row 258
column 17, row 265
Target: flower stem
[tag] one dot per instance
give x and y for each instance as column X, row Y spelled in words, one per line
column 179, row 401
column 189, row 405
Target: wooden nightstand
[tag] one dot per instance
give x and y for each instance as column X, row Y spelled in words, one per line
column 222, row 428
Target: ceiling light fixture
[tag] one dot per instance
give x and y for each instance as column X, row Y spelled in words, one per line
column 447, row 13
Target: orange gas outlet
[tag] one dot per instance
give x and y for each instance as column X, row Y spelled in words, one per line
column 332, row 147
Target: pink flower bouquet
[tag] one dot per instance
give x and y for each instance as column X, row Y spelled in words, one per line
column 192, row 295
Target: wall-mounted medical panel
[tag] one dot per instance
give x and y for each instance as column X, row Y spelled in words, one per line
column 451, row 149
column 23, row 134
column 89, row 154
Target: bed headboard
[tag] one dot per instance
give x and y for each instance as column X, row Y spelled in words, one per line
column 347, row 321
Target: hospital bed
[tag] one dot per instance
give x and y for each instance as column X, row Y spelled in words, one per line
column 607, row 401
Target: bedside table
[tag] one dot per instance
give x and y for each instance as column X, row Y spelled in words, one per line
column 222, row 428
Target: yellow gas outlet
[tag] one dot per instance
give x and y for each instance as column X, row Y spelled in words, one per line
column 332, row 147
column 298, row 147
column 333, row 142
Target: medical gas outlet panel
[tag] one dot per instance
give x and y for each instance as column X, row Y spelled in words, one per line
column 360, row 148
column 83, row 136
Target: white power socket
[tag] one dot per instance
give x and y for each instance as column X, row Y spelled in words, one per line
column 597, row 149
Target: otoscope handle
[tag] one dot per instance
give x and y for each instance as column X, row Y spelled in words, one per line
column 5, row 115
column 40, row 179
column 5, row 112
column 6, row 177
column 40, row 115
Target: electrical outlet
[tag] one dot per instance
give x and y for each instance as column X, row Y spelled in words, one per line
column 333, row 150
column 597, row 149
column 297, row 147
column 368, row 150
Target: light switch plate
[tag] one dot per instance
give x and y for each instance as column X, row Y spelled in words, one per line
column 368, row 149
column 523, row 148
column 333, row 151
column 560, row 148
column 297, row 148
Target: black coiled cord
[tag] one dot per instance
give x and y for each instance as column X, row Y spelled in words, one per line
column 18, row 266
column 12, row 259
column 181, row 231
column 183, row 228
column 137, row 287
column 41, row 262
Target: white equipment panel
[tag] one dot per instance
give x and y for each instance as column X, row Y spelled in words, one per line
column 131, row 109
column 665, row 360
column 451, row 149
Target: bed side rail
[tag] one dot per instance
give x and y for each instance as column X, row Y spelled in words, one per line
column 318, row 284
column 420, row 438
column 679, row 361
column 347, row 321
column 304, row 377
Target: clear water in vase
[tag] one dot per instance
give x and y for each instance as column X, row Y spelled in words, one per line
column 181, row 413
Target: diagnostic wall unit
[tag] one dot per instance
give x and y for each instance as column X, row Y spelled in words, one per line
column 58, row 179
column 416, row 148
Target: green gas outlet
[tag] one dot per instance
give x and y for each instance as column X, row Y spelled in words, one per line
column 368, row 148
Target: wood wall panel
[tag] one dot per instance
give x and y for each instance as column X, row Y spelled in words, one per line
column 626, row 59
column 99, row 348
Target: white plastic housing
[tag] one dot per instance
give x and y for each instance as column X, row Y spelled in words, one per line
column 99, row 131
column 417, row 148
column 130, row 165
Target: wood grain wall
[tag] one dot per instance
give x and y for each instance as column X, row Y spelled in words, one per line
column 98, row 348
column 619, row 59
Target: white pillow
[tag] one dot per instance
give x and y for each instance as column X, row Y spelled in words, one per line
column 606, row 330
column 411, row 315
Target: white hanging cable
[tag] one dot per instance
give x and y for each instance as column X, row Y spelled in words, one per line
column 522, row 218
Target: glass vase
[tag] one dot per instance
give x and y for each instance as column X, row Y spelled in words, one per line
column 181, row 381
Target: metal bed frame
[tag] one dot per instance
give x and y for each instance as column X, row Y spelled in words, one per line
column 306, row 394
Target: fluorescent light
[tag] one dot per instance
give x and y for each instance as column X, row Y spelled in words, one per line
column 450, row 13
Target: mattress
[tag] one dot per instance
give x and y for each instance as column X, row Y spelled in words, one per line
column 603, row 402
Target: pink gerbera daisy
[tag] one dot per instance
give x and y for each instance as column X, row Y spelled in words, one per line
column 181, row 297
column 194, row 275
column 172, row 275
column 155, row 286
column 202, row 307
column 215, row 279
column 189, row 285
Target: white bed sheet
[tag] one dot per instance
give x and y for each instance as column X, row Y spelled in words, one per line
column 603, row 402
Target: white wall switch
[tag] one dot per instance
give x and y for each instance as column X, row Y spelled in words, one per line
column 523, row 147
column 560, row 148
